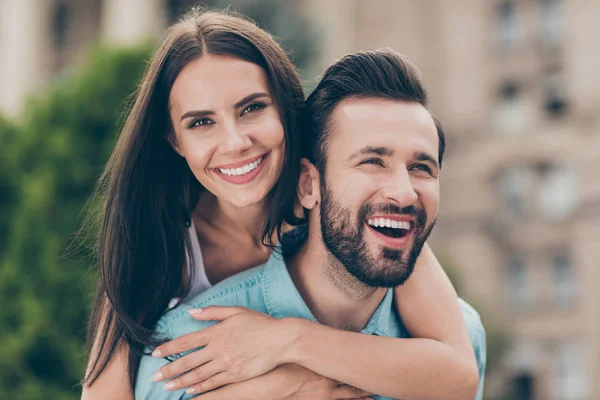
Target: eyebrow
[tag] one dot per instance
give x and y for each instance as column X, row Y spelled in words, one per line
column 251, row 97
column 420, row 156
column 245, row 100
column 371, row 150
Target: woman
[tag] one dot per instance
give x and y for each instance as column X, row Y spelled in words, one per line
column 219, row 93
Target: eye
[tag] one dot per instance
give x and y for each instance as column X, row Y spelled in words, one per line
column 253, row 107
column 421, row 167
column 200, row 122
column 372, row 161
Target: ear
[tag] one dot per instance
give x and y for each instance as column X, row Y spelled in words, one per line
column 172, row 139
column 309, row 193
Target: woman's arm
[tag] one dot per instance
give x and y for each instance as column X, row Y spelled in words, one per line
column 439, row 364
column 113, row 382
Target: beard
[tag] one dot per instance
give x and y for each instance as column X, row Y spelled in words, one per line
column 344, row 237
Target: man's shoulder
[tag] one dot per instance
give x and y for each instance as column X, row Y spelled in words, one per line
column 473, row 322
column 242, row 289
column 477, row 336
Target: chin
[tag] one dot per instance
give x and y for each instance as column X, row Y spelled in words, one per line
column 247, row 201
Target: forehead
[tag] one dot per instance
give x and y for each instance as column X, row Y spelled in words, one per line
column 211, row 79
column 404, row 127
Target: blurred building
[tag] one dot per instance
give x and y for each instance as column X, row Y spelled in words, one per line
column 40, row 39
column 517, row 87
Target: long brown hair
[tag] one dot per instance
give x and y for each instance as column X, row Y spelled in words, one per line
column 148, row 192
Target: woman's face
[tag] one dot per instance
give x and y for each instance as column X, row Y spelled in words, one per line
column 228, row 128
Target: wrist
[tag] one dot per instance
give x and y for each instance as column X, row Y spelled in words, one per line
column 291, row 352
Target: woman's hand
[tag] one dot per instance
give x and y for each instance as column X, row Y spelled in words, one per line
column 286, row 382
column 245, row 345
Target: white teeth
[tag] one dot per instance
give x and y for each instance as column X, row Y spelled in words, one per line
column 388, row 223
column 242, row 170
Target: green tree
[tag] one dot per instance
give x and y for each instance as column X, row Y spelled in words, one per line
column 53, row 160
column 8, row 185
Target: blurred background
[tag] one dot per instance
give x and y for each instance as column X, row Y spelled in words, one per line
column 515, row 82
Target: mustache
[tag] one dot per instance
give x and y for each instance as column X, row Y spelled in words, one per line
column 419, row 214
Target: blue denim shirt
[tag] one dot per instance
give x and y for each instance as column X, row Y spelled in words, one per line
column 269, row 288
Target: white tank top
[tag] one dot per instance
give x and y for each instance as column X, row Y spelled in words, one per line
column 194, row 259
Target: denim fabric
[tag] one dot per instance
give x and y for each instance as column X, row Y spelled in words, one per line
column 269, row 289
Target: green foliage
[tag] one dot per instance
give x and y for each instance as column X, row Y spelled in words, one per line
column 8, row 185
column 49, row 166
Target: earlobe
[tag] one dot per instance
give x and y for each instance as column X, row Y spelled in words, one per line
column 308, row 185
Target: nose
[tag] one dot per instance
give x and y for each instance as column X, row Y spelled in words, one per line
column 235, row 141
column 399, row 189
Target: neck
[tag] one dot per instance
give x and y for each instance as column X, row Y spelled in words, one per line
column 247, row 222
column 335, row 297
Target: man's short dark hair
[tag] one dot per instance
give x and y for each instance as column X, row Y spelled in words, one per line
column 381, row 74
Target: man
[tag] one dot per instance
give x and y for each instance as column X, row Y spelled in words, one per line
column 371, row 192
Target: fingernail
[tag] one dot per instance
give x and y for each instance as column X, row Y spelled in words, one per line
column 170, row 385
column 158, row 377
column 156, row 353
column 194, row 311
column 191, row 390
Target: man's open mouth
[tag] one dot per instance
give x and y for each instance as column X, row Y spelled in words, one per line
column 389, row 227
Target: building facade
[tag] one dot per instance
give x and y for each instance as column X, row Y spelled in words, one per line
column 515, row 84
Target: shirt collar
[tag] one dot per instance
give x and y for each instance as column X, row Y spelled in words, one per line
column 379, row 324
column 282, row 299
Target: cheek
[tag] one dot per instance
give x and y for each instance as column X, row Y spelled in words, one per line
column 354, row 190
column 429, row 195
column 271, row 134
column 197, row 153
column 267, row 130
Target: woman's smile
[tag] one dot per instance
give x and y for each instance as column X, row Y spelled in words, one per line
column 242, row 172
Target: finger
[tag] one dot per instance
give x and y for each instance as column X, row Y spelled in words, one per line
column 215, row 313
column 183, row 364
column 215, row 381
column 239, row 391
column 195, row 376
column 183, row 343
column 348, row 392
column 360, row 398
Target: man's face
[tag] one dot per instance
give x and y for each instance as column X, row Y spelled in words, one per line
column 380, row 192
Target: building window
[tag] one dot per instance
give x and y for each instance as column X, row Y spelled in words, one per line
column 507, row 29
column 514, row 186
column 564, row 279
column 523, row 386
column 558, row 191
column 518, row 288
column 60, row 25
column 514, row 112
column 555, row 103
column 551, row 13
